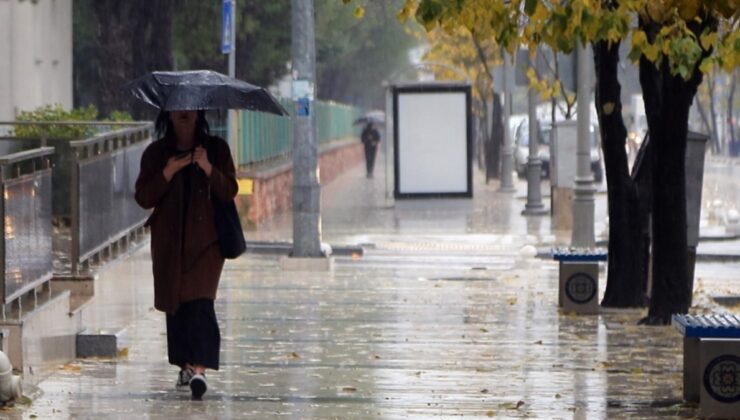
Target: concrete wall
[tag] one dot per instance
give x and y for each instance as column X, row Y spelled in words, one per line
column 35, row 55
column 273, row 187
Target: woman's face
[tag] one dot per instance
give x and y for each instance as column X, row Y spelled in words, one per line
column 184, row 121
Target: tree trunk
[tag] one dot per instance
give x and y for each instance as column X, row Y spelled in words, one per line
column 496, row 138
column 133, row 37
column 716, row 142
column 115, row 52
column 703, row 115
column 668, row 99
column 731, row 112
column 627, row 220
column 482, row 138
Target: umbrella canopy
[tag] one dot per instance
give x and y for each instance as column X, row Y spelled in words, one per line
column 200, row 90
column 374, row 117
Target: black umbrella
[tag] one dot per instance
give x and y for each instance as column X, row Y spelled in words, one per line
column 201, row 89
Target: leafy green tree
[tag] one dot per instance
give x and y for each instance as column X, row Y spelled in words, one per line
column 114, row 42
column 673, row 40
column 262, row 38
column 462, row 53
column 358, row 48
column 117, row 41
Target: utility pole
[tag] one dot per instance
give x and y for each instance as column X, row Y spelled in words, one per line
column 306, row 189
column 507, row 157
column 583, row 200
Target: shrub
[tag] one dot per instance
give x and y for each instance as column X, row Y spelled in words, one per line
column 62, row 131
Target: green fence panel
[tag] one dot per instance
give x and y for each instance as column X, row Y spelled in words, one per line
column 266, row 136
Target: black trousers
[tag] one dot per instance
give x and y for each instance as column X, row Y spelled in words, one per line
column 193, row 335
column 371, row 150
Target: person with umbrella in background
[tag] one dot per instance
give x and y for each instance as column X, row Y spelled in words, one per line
column 181, row 173
column 370, row 138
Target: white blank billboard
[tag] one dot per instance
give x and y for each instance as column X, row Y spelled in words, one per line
column 432, row 141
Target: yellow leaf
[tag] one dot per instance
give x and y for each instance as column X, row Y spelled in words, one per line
column 639, row 38
column 403, row 15
column 359, row 12
column 546, row 93
column 651, row 52
column 706, row 66
column 608, row 108
column 688, row 9
column 708, row 40
column 657, row 10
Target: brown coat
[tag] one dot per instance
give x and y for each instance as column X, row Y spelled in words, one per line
column 186, row 260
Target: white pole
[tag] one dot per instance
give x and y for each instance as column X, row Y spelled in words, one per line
column 583, row 201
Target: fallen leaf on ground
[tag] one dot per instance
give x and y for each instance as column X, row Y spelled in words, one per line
column 511, row 405
column 71, row 368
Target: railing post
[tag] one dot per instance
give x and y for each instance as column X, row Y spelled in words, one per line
column 75, row 211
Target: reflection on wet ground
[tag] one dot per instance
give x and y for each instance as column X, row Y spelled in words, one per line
column 440, row 318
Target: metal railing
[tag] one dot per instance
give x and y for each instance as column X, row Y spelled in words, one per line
column 91, row 185
column 102, row 185
column 261, row 136
column 26, row 246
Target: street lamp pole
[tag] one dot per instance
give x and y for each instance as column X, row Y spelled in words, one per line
column 507, row 157
column 583, row 200
column 534, row 206
column 306, row 188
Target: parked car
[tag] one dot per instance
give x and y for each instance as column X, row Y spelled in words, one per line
column 520, row 133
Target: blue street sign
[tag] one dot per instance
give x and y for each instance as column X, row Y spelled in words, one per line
column 227, row 27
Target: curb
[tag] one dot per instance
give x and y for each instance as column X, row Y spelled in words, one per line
column 284, row 248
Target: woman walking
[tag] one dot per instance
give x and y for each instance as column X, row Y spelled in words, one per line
column 180, row 174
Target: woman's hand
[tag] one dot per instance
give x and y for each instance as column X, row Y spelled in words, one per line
column 200, row 157
column 175, row 164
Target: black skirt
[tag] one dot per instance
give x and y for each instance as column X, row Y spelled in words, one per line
column 193, row 335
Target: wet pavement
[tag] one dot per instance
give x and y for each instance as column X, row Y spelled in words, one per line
column 443, row 317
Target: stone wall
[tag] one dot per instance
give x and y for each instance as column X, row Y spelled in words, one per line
column 272, row 184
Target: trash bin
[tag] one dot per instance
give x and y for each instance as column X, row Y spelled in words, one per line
column 695, row 150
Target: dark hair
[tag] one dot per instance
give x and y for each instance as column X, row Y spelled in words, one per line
column 164, row 128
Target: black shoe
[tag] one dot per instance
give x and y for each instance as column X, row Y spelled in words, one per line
column 183, row 379
column 198, row 385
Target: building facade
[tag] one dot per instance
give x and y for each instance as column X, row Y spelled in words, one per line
column 35, row 55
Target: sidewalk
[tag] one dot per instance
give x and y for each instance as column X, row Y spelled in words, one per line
column 440, row 318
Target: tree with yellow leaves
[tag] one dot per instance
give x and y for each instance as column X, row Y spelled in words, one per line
column 673, row 41
column 459, row 49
